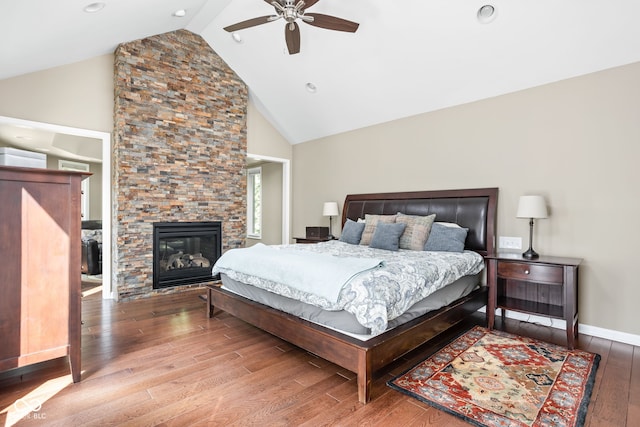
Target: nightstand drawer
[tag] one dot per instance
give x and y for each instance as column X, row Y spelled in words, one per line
column 531, row 272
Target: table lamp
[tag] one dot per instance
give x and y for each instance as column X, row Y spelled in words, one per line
column 330, row 209
column 532, row 207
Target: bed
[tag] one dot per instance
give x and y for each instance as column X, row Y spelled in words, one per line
column 474, row 209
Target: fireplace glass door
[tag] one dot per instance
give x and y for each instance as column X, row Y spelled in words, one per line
column 184, row 252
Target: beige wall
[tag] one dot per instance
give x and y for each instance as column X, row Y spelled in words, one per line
column 77, row 95
column 577, row 142
column 262, row 138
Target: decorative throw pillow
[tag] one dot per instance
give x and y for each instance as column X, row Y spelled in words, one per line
column 387, row 236
column 370, row 226
column 446, row 238
column 352, row 232
column 416, row 232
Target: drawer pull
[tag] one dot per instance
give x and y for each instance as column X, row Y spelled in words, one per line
column 526, row 272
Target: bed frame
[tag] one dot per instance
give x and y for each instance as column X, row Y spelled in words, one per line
column 474, row 209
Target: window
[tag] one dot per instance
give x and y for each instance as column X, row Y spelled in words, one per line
column 254, row 203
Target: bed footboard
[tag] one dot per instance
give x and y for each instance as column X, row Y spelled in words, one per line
column 362, row 357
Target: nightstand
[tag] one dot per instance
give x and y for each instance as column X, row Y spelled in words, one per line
column 546, row 286
column 311, row 239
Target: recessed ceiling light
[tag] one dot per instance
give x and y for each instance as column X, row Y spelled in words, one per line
column 180, row 13
column 236, row 37
column 94, row 7
column 486, row 14
column 311, row 87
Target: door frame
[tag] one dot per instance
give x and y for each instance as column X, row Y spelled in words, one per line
column 286, row 192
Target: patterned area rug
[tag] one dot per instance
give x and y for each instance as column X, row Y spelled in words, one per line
column 492, row 378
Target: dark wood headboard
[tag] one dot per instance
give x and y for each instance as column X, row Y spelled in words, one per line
column 474, row 209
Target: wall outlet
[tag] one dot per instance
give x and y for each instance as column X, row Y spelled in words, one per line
column 509, row 242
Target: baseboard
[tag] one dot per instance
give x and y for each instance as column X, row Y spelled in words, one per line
column 594, row 331
column 610, row 334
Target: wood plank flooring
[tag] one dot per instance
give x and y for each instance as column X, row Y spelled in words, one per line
column 161, row 361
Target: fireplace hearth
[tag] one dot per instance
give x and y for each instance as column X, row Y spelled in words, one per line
column 184, row 252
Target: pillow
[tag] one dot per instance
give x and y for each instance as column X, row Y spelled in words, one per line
column 446, row 238
column 387, row 236
column 416, row 232
column 370, row 226
column 449, row 224
column 352, row 232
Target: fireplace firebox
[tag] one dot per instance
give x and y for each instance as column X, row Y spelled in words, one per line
column 184, row 252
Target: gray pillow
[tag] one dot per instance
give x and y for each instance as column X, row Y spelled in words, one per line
column 446, row 239
column 352, row 232
column 387, row 236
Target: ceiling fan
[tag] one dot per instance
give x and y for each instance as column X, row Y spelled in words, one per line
column 291, row 11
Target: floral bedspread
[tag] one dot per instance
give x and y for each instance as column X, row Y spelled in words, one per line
column 376, row 296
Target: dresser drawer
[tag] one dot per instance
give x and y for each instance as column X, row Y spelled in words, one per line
column 531, row 272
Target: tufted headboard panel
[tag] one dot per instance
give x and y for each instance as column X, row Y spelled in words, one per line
column 474, row 209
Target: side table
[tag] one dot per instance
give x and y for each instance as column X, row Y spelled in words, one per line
column 311, row 239
column 546, row 286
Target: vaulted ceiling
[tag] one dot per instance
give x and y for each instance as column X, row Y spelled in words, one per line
column 407, row 57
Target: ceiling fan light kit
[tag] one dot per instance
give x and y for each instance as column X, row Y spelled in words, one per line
column 292, row 12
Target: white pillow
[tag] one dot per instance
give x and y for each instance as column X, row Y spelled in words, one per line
column 449, row 224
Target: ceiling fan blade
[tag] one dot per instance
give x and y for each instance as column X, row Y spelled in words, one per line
column 249, row 23
column 292, row 36
column 332, row 23
column 279, row 6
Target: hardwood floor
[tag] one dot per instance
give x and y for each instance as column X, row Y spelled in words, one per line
column 161, row 361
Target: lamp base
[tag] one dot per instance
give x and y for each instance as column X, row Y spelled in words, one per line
column 530, row 253
column 330, row 229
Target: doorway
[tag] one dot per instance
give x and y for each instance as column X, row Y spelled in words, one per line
column 284, row 192
column 105, row 139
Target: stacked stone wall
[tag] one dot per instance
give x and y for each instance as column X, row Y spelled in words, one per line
column 179, row 148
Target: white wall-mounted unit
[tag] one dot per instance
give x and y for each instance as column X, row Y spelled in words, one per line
column 15, row 157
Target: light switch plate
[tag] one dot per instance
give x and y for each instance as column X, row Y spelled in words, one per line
column 505, row 242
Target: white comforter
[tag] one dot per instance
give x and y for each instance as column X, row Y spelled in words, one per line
column 375, row 296
column 310, row 272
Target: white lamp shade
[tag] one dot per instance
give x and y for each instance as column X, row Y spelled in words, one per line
column 532, row 207
column 330, row 209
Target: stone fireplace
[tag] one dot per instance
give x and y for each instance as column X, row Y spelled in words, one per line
column 179, row 150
